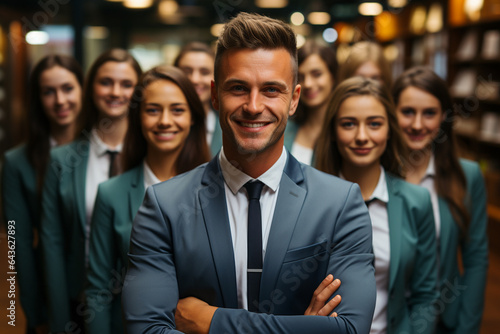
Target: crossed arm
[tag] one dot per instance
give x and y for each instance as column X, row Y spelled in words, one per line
column 195, row 316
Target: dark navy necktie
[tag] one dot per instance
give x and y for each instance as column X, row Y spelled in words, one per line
column 113, row 167
column 254, row 264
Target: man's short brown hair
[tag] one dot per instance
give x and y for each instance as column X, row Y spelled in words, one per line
column 254, row 31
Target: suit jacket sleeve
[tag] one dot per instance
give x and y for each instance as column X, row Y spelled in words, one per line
column 474, row 255
column 351, row 260
column 16, row 207
column 151, row 265
column 102, row 260
column 53, row 247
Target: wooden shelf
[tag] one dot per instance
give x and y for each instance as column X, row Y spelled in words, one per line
column 493, row 212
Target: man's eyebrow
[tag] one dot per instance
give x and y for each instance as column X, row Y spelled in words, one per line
column 279, row 84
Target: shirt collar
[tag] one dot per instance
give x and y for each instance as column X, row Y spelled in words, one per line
column 431, row 169
column 99, row 145
column 380, row 191
column 235, row 178
column 149, row 177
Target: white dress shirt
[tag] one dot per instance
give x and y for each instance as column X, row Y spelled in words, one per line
column 382, row 251
column 97, row 172
column 149, row 177
column 237, row 206
column 427, row 182
column 302, row 153
column 210, row 125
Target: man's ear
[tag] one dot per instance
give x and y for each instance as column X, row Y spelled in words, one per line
column 215, row 99
column 295, row 100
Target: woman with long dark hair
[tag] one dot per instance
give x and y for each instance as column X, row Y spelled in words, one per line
column 362, row 143
column 425, row 113
column 317, row 77
column 166, row 137
column 73, row 175
column 55, row 100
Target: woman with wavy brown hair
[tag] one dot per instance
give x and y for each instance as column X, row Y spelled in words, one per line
column 425, row 113
column 166, row 137
column 362, row 143
column 73, row 174
column 55, row 101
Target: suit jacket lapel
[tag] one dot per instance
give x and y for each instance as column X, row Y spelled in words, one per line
column 291, row 197
column 213, row 205
column 79, row 178
column 136, row 191
column 446, row 219
column 395, row 215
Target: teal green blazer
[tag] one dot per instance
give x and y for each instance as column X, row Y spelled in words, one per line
column 290, row 134
column 20, row 203
column 62, row 230
column 117, row 202
column 462, row 295
column 413, row 262
column 216, row 143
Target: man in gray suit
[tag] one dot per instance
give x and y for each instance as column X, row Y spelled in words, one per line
column 192, row 263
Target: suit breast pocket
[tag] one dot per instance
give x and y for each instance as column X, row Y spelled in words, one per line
column 302, row 271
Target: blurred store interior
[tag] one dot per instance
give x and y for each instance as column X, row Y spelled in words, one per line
column 459, row 39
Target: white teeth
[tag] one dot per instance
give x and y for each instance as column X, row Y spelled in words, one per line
column 252, row 125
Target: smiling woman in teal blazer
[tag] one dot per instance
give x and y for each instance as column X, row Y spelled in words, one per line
column 166, row 137
column 71, row 182
column 425, row 113
column 361, row 142
column 55, row 104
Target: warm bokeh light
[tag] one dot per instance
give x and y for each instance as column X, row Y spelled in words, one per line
column 343, row 51
column 216, row 29
column 297, row 18
column 386, row 26
column 301, row 40
column 37, row 37
column 397, row 3
column 271, row 3
column 391, row 52
column 370, row 8
column 434, row 18
column 138, row 4
column 417, row 21
column 167, row 8
column 473, row 8
column 318, row 18
column 330, row 35
column 96, row 32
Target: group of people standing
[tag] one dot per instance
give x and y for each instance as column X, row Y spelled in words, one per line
column 95, row 146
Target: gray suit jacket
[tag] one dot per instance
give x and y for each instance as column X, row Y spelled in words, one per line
column 181, row 246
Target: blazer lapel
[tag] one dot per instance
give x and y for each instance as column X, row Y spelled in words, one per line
column 136, row 191
column 395, row 217
column 79, row 179
column 291, row 197
column 213, row 205
column 446, row 219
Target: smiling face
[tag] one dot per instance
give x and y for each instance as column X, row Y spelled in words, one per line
column 165, row 117
column 419, row 116
column 60, row 95
column 369, row 70
column 255, row 95
column 199, row 68
column 362, row 131
column 113, row 87
column 316, row 81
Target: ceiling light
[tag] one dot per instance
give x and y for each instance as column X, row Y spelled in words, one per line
column 297, row 18
column 397, row 3
column 37, row 37
column 137, row 4
column 318, row 18
column 434, row 18
column 271, row 3
column 370, row 8
column 167, row 8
